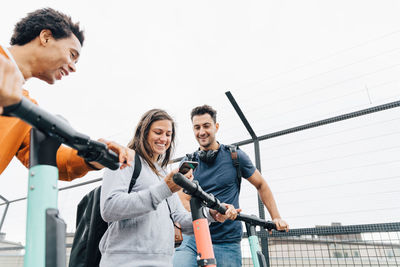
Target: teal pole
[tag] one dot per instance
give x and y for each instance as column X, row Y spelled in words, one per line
column 254, row 247
column 42, row 194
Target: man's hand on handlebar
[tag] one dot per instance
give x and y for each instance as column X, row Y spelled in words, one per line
column 231, row 213
column 126, row 155
column 281, row 225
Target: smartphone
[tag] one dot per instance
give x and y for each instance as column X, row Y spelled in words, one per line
column 187, row 165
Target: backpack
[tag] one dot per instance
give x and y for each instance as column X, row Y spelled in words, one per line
column 90, row 227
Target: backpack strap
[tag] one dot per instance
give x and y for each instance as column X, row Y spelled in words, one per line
column 236, row 163
column 136, row 172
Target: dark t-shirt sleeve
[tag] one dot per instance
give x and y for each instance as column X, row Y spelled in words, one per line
column 246, row 166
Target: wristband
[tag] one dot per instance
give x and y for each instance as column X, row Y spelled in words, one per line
column 8, row 109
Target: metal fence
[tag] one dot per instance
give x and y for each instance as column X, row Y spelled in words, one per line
column 355, row 245
column 358, row 245
column 296, row 251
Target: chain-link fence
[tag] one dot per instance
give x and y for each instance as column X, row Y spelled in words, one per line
column 362, row 245
column 355, row 245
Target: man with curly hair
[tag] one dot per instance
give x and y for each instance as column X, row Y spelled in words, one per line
column 46, row 44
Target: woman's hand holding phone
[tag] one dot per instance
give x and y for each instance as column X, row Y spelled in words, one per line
column 170, row 182
column 187, row 166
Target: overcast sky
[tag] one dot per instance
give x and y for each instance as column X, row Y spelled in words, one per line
column 286, row 62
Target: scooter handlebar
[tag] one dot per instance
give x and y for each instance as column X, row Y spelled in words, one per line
column 60, row 130
column 43, row 121
column 254, row 220
column 194, row 189
column 190, row 187
column 98, row 152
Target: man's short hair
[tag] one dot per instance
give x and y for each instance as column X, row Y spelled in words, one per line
column 205, row 109
column 60, row 25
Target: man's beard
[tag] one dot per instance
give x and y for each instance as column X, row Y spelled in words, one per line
column 208, row 144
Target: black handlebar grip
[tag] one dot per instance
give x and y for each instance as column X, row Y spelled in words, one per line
column 97, row 151
column 185, row 183
column 254, row 220
column 270, row 225
column 109, row 159
column 221, row 209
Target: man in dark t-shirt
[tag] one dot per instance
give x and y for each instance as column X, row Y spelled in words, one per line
column 217, row 175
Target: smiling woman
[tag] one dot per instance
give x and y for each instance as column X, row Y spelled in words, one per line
column 141, row 223
column 135, row 219
column 154, row 139
column 159, row 137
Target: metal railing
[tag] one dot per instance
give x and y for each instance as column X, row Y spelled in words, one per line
column 339, row 253
column 355, row 245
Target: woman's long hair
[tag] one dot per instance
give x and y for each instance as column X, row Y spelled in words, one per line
column 139, row 141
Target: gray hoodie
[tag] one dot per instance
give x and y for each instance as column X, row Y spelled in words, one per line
column 140, row 232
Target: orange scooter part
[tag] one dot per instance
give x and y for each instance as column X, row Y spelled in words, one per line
column 203, row 240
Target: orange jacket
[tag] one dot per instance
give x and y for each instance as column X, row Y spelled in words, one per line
column 15, row 141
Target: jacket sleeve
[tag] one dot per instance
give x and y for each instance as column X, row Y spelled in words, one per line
column 70, row 165
column 181, row 215
column 115, row 202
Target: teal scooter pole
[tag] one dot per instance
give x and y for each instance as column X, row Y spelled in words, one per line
column 42, row 198
column 45, row 231
column 256, row 254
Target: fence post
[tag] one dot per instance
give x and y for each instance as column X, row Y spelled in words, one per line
column 5, row 211
column 261, row 212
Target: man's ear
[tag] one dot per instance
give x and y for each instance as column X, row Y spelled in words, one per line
column 45, row 37
column 216, row 126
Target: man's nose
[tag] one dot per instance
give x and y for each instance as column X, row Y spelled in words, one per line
column 72, row 67
column 202, row 132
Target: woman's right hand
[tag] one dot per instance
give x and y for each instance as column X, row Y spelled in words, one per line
column 170, row 182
